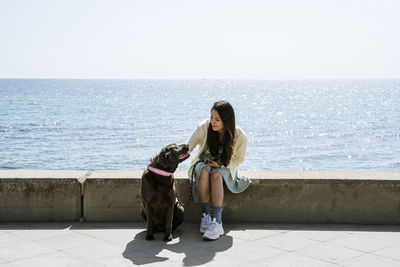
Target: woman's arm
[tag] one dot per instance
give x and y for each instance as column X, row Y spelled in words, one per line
column 198, row 135
column 240, row 152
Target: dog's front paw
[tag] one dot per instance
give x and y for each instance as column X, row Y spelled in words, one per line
column 149, row 237
column 168, row 237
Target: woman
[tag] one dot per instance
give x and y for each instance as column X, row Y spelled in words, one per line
column 222, row 147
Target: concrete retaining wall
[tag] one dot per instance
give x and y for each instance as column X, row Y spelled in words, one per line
column 318, row 197
column 37, row 195
column 112, row 196
column 364, row 197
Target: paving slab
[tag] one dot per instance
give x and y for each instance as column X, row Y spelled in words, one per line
column 287, row 241
column 124, row 244
column 293, row 260
column 392, row 252
column 371, row 260
column 330, row 253
column 361, row 241
column 54, row 259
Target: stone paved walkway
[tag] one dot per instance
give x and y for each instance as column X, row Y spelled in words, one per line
column 123, row 244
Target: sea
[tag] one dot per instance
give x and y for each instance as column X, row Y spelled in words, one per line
column 60, row 124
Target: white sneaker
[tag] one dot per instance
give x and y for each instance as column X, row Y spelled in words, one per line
column 214, row 231
column 205, row 222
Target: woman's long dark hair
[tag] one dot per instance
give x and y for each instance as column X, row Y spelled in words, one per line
column 227, row 114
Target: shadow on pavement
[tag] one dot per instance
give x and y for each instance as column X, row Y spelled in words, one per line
column 195, row 250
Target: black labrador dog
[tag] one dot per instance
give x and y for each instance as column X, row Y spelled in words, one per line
column 160, row 208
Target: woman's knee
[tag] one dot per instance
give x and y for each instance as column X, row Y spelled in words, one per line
column 216, row 177
column 204, row 174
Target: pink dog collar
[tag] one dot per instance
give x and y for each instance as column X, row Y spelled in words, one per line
column 158, row 171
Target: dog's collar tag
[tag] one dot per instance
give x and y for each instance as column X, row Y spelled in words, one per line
column 159, row 172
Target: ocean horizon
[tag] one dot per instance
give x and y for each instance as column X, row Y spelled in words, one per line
column 97, row 124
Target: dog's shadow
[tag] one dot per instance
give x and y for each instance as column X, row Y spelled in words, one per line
column 196, row 251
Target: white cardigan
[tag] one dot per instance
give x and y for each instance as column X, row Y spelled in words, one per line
column 199, row 137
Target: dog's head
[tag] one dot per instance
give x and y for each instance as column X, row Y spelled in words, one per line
column 170, row 156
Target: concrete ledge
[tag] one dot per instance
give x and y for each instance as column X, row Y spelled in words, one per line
column 112, row 196
column 274, row 196
column 358, row 197
column 40, row 195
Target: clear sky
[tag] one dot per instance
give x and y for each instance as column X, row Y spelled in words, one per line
column 187, row 39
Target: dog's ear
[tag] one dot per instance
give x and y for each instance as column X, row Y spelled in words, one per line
column 162, row 157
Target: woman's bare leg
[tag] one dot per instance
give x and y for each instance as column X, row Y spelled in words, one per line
column 203, row 186
column 217, row 189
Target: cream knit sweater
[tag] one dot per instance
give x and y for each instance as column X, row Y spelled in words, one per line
column 199, row 137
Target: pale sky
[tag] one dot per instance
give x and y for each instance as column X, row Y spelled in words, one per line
column 213, row 39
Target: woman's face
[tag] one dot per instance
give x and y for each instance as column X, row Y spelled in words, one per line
column 216, row 122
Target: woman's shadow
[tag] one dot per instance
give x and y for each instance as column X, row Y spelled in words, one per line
column 196, row 251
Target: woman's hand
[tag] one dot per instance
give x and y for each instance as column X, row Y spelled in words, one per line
column 212, row 163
